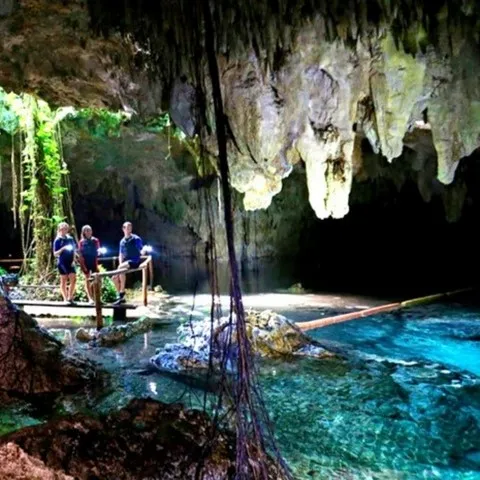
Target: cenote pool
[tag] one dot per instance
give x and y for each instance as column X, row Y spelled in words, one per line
column 405, row 404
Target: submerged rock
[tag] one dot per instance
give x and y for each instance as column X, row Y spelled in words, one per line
column 33, row 361
column 271, row 336
column 114, row 335
column 146, row 439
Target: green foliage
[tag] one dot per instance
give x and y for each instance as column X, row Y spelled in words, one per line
column 2, row 271
column 97, row 122
column 163, row 123
column 8, row 119
column 38, row 171
column 109, row 293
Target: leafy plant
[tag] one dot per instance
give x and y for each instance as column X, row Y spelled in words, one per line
column 39, row 174
column 97, row 122
column 37, row 171
column 163, row 123
column 8, row 119
column 109, row 292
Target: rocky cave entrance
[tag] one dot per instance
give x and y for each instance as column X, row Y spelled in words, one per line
column 351, row 137
column 393, row 241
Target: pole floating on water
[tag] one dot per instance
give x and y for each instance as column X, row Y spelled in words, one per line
column 368, row 312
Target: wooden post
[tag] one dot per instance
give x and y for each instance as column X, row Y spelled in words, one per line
column 145, row 286
column 98, row 302
column 150, row 273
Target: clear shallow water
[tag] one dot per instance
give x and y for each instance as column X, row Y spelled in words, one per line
column 448, row 334
column 404, row 405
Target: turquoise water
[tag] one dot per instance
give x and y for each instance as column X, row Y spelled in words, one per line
column 448, row 334
column 404, row 404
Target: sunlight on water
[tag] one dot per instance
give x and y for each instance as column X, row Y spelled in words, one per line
column 446, row 334
column 404, row 405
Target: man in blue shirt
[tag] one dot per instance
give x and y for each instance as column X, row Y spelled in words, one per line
column 64, row 248
column 131, row 249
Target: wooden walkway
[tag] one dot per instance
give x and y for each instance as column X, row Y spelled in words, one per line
column 38, row 307
column 43, row 303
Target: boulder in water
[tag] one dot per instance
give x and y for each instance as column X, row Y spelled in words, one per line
column 271, row 336
column 114, row 335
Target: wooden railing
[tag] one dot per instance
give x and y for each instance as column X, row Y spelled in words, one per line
column 16, row 263
column 96, row 279
column 146, row 267
column 11, row 264
column 11, row 260
column 115, row 259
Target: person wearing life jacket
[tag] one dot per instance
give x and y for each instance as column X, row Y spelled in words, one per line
column 88, row 248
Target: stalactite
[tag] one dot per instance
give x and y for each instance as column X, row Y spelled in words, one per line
column 240, row 26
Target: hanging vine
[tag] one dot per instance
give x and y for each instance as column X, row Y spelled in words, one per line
column 39, row 174
column 205, row 163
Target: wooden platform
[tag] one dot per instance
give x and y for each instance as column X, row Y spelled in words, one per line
column 48, row 303
column 39, row 307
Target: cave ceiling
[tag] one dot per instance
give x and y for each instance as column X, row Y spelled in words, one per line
column 302, row 81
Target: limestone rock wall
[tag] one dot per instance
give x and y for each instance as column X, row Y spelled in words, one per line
column 47, row 48
column 331, row 83
column 152, row 180
column 326, row 97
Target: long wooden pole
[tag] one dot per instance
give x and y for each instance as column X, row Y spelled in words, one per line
column 324, row 322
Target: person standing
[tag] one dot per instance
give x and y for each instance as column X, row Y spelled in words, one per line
column 64, row 247
column 131, row 250
column 88, row 249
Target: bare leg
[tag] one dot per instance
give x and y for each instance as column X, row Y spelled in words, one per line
column 116, row 282
column 122, row 278
column 71, row 289
column 88, row 287
column 63, row 287
column 119, row 280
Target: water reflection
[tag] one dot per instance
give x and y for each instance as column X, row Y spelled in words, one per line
column 187, row 275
